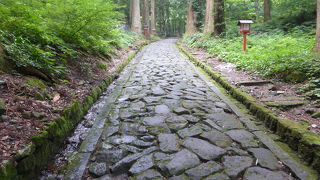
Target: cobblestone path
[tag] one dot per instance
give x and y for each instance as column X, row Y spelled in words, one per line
column 168, row 122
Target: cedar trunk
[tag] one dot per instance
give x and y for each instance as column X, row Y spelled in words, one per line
column 153, row 18
column 267, row 7
column 219, row 22
column 209, row 18
column 136, row 22
column 190, row 26
column 317, row 46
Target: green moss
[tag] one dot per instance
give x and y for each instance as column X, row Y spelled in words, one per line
column 316, row 115
column 102, row 65
column 7, row 171
column 34, row 82
column 73, row 112
column 2, row 107
column 40, row 139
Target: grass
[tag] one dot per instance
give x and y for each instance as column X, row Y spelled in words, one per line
column 274, row 54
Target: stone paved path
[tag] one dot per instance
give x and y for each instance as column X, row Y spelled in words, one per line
column 167, row 122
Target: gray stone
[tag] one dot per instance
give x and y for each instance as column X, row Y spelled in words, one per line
column 191, row 118
column 111, row 156
column 98, row 169
column 204, row 149
column 212, row 124
column 126, row 162
column 203, row 170
column 190, row 104
column 234, row 165
column 130, row 148
column 157, row 91
column 148, row 138
column 126, row 114
column 182, row 161
column 137, row 106
column 265, row 158
column 149, row 174
column 255, row 173
column 153, row 121
column 168, row 143
column 162, row 156
column 218, row 176
column 130, row 128
column 112, row 177
column 181, row 177
column 162, row 109
column 217, row 138
column 300, row 170
column 142, row 164
column 188, row 132
column 116, row 140
column 237, row 151
column 181, row 111
column 245, row 138
column 150, row 100
column 141, row 143
column 226, row 121
column 111, row 130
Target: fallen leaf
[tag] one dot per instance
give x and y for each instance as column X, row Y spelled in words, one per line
column 56, row 97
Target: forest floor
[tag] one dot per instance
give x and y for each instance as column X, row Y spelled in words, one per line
column 283, row 98
column 31, row 104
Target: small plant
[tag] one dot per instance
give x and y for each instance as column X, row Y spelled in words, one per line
column 312, row 90
column 102, row 65
column 85, row 68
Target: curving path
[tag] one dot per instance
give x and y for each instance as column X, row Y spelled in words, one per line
column 167, row 121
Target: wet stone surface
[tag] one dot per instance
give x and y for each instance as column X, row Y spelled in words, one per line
column 167, row 123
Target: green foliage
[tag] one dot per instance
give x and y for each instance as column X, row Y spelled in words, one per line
column 277, row 55
column 41, row 34
column 312, row 90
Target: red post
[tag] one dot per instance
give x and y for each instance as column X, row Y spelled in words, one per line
column 244, row 42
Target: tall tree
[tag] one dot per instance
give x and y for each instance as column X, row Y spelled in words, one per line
column 190, row 26
column 317, row 46
column 136, row 22
column 153, row 18
column 209, row 18
column 219, row 21
column 146, row 15
column 267, row 13
column 257, row 8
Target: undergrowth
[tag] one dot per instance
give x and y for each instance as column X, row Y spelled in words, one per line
column 45, row 34
column 274, row 54
column 285, row 55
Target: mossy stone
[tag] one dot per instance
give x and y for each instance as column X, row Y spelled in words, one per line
column 2, row 107
column 35, row 82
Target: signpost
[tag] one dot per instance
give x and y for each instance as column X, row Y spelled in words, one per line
column 245, row 29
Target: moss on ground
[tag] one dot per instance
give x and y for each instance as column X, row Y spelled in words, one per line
column 35, row 82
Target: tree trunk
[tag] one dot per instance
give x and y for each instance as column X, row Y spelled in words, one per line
column 267, row 14
column 209, row 18
column 146, row 14
column 317, row 46
column 136, row 23
column 190, row 27
column 153, row 18
column 257, row 7
column 219, row 23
